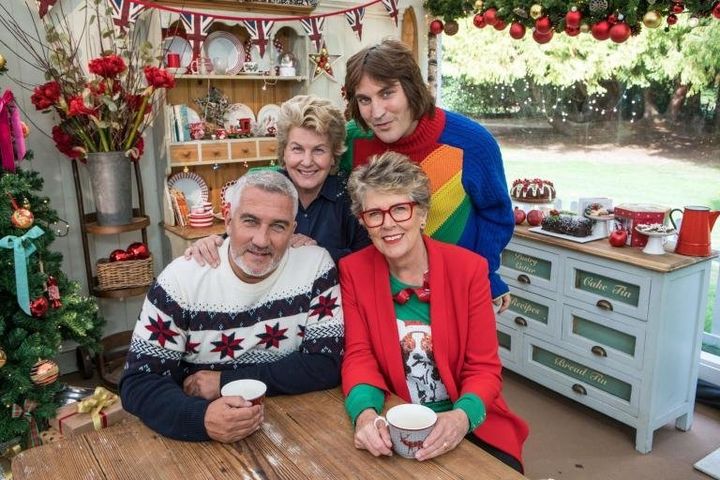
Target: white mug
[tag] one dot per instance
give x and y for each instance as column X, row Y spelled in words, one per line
column 409, row 426
column 251, row 390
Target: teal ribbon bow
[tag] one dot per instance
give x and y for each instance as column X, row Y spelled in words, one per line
column 23, row 248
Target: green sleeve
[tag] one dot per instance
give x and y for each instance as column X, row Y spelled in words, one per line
column 354, row 131
column 362, row 397
column 473, row 407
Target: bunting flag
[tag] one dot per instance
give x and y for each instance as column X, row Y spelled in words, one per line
column 259, row 32
column 392, row 9
column 125, row 12
column 44, row 6
column 314, row 28
column 355, row 19
column 196, row 28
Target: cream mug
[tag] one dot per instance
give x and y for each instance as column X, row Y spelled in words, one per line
column 409, row 426
column 251, row 390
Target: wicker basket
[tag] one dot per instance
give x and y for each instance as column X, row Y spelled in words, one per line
column 126, row 274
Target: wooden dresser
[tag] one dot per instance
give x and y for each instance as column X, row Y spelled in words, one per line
column 612, row 328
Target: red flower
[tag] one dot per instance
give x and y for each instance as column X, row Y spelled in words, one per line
column 76, row 106
column 108, row 66
column 159, row 78
column 101, row 87
column 64, row 142
column 134, row 102
column 46, row 95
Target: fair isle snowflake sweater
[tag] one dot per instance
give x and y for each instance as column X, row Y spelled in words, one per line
column 286, row 330
column 470, row 205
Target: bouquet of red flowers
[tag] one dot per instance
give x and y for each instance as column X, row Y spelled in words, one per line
column 103, row 105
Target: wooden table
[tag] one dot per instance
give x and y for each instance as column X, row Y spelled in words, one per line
column 303, row 437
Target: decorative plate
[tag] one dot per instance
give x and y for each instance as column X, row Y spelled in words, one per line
column 235, row 112
column 178, row 45
column 268, row 117
column 264, row 63
column 225, row 45
column 192, row 185
column 184, row 116
column 226, row 191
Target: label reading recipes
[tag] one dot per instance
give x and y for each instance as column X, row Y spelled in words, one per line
column 526, row 264
column 578, row 371
column 607, row 287
column 529, row 309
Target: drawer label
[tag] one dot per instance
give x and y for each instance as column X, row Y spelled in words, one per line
column 526, row 264
column 530, row 309
column 607, row 287
column 504, row 340
column 601, row 334
column 578, row 371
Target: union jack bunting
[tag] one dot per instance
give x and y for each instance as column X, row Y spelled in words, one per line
column 196, row 28
column 354, row 19
column 125, row 12
column 314, row 28
column 259, row 32
column 44, row 6
column 392, row 9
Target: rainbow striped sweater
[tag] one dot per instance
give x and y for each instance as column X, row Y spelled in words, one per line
column 470, row 205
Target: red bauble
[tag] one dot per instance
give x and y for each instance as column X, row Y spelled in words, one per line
column 138, row 251
column 573, row 18
column 716, row 11
column 490, row 16
column 119, row 255
column 535, row 217
column 479, row 20
column 436, row 27
column 601, row 30
column 571, row 31
column 39, row 306
column 677, row 8
column 543, row 25
column 619, row 32
column 618, row 238
column 542, row 37
column 22, row 218
column 499, row 25
column 517, row 31
column 518, row 212
column 672, row 19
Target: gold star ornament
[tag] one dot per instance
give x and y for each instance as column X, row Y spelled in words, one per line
column 322, row 63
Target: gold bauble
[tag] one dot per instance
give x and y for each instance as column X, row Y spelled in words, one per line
column 2, row 62
column 652, row 19
column 44, row 372
column 536, row 11
column 3, row 358
column 478, row 5
column 584, row 28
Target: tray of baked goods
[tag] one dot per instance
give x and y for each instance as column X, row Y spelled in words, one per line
column 569, row 226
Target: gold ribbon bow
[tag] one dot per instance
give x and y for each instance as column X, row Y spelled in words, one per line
column 95, row 403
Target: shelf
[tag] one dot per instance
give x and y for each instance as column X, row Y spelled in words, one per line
column 191, row 233
column 268, row 78
column 138, row 223
column 120, row 292
column 210, row 163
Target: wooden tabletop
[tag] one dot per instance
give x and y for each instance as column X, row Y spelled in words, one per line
column 602, row 248
column 303, row 437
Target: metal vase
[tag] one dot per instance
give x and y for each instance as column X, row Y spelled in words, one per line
column 112, row 191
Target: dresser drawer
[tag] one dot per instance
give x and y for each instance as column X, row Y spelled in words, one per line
column 184, row 153
column 607, row 289
column 246, row 149
column 268, row 148
column 531, row 312
column 510, row 346
column 527, row 268
column 610, row 342
column 579, row 378
column 214, row 151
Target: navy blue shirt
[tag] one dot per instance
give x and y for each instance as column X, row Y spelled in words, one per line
column 329, row 221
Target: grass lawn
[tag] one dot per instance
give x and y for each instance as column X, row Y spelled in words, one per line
column 633, row 173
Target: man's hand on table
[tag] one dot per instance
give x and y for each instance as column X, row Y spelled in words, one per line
column 205, row 384
column 449, row 431
column 368, row 436
column 229, row 419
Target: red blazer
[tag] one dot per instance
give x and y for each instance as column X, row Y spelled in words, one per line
column 463, row 332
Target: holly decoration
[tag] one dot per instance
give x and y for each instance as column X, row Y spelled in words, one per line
column 323, row 62
column 44, row 372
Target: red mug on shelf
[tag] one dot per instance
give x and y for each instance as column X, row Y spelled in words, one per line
column 245, row 125
column 172, row 60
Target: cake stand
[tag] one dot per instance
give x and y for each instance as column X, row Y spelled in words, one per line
column 600, row 228
column 655, row 242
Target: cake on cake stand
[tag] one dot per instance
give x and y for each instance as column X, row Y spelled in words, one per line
column 600, row 228
column 656, row 240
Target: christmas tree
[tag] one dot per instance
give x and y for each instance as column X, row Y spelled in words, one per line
column 39, row 306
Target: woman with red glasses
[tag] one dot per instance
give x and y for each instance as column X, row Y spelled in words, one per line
column 419, row 322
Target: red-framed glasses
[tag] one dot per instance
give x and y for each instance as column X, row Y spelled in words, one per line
column 400, row 212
